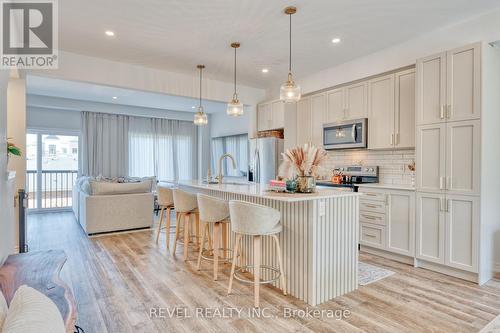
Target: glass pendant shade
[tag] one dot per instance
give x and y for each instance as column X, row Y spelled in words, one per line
column 290, row 91
column 200, row 117
column 234, row 108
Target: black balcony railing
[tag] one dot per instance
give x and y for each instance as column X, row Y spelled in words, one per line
column 53, row 189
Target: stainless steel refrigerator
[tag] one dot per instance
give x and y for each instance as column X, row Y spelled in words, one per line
column 265, row 159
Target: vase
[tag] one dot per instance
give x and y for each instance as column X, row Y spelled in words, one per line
column 306, row 184
column 291, row 186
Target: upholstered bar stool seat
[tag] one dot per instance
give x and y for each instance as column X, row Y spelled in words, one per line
column 186, row 205
column 215, row 212
column 165, row 203
column 256, row 221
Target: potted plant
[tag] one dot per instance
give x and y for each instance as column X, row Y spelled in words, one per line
column 304, row 163
column 12, row 149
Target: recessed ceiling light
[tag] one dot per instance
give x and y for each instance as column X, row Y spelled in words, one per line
column 114, row 97
column 110, row 33
column 336, row 40
column 265, row 70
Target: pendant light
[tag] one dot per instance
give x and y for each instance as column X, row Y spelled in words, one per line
column 200, row 117
column 234, row 107
column 290, row 91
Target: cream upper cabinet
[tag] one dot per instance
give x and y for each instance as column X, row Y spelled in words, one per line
column 304, row 121
column 404, row 113
column 270, row 115
column 463, row 83
column 264, row 117
column 449, row 86
column 431, row 157
column 336, row 106
column 462, row 232
column 381, row 112
column 400, row 219
column 431, row 89
column 278, row 114
column 462, row 157
column 430, row 227
column 356, row 100
column 318, row 118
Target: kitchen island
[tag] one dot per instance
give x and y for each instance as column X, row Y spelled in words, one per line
column 319, row 240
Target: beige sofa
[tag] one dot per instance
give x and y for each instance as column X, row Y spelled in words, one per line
column 103, row 206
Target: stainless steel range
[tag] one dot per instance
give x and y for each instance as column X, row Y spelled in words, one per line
column 353, row 175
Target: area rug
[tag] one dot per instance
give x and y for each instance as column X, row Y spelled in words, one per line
column 493, row 326
column 368, row 273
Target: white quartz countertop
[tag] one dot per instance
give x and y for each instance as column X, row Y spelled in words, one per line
column 388, row 186
column 257, row 190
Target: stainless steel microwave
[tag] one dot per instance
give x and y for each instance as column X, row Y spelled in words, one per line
column 345, row 134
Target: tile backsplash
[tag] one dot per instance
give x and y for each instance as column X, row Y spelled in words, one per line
column 392, row 163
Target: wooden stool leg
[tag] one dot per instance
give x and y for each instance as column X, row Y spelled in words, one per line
column 177, row 229
column 256, row 269
column 159, row 225
column 186, row 235
column 167, row 233
column 204, row 232
column 224, row 239
column 280, row 262
column 216, row 248
column 233, row 265
column 197, row 229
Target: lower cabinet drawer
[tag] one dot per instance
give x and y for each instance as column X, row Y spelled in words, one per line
column 372, row 235
column 372, row 206
column 372, row 195
column 371, row 217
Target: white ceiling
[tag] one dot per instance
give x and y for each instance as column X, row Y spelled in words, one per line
column 99, row 93
column 178, row 34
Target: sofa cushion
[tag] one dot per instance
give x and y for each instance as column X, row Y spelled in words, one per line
column 106, row 188
column 3, row 309
column 32, row 312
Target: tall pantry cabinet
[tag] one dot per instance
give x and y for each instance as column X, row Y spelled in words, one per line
column 456, row 158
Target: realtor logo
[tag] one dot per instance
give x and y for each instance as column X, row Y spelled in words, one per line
column 29, row 34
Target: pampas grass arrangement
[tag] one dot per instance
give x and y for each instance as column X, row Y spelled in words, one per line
column 304, row 160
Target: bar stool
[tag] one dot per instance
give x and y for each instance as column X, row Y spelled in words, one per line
column 165, row 202
column 213, row 211
column 256, row 221
column 186, row 205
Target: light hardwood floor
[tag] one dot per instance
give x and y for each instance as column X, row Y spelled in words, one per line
column 117, row 279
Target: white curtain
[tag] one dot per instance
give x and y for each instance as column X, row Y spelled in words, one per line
column 163, row 148
column 237, row 146
column 104, row 144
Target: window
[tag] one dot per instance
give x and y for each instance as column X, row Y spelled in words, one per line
column 237, row 146
column 74, row 151
column 163, row 148
column 52, row 150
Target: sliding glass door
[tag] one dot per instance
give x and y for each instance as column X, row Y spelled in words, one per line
column 52, row 168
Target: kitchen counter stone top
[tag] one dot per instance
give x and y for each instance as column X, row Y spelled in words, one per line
column 258, row 190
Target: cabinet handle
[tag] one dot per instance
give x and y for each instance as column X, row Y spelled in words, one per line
column 369, row 235
column 371, row 206
column 441, row 112
column 370, row 217
column 392, row 139
column 441, row 183
column 370, row 194
column 397, row 141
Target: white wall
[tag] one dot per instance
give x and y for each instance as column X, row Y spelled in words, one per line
column 485, row 27
column 106, row 72
column 16, row 126
column 6, row 239
column 52, row 119
column 221, row 124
